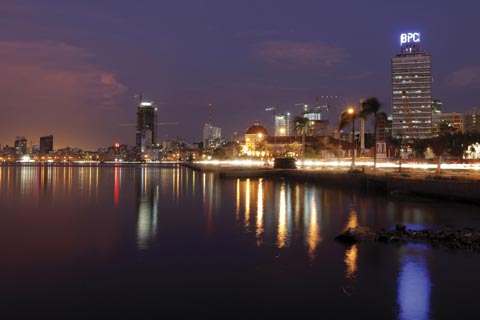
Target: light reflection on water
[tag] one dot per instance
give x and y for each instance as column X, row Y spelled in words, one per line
column 259, row 225
column 414, row 284
column 313, row 235
column 351, row 253
column 282, row 219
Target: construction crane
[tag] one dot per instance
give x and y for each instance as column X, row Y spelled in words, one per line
column 325, row 106
column 408, row 115
column 318, row 107
column 210, row 106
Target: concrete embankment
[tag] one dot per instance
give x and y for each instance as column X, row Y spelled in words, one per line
column 442, row 187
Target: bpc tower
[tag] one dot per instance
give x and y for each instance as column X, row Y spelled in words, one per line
column 411, row 90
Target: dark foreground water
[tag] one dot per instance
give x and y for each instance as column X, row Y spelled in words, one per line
column 146, row 242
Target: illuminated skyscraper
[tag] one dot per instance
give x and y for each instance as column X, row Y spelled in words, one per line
column 411, row 90
column 146, row 134
column 212, row 136
column 283, row 125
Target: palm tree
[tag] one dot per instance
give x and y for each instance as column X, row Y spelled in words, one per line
column 300, row 128
column 346, row 117
column 440, row 143
column 372, row 106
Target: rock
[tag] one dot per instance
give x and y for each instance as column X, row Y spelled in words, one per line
column 466, row 239
column 353, row 235
column 394, row 238
column 382, row 238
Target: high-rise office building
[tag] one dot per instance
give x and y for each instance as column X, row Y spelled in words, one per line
column 283, row 125
column 20, row 145
column 146, row 134
column 212, row 136
column 411, row 90
column 471, row 120
column 46, row 144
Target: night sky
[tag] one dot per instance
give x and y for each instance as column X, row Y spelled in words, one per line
column 72, row 68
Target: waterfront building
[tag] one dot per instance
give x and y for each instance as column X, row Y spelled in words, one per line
column 283, row 125
column 20, row 145
column 255, row 136
column 46, row 144
column 212, row 136
column 411, row 90
column 146, row 134
column 472, row 120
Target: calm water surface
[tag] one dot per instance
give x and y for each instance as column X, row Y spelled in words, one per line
column 147, row 242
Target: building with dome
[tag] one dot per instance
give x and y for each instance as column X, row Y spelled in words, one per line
column 255, row 140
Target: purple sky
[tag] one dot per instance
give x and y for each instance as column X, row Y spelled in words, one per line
column 71, row 68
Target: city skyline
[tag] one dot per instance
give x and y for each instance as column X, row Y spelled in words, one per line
column 72, row 70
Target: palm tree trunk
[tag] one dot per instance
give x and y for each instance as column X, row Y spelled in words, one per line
column 439, row 161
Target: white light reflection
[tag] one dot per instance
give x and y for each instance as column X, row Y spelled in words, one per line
column 148, row 199
column 247, row 205
column 282, row 219
column 237, row 201
column 259, row 230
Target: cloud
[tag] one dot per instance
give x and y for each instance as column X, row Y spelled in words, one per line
column 465, row 77
column 57, row 68
column 300, row 54
column 52, row 87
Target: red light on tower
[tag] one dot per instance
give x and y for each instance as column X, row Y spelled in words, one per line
column 117, row 145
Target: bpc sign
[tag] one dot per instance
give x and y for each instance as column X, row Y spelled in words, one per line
column 410, row 37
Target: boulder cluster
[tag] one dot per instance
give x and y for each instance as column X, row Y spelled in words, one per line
column 464, row 239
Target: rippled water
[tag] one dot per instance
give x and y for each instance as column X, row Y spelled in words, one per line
column 142, row 241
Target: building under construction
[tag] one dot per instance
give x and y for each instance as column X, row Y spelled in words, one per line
column 411, row 90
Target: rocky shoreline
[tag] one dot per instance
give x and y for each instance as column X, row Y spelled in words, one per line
column 463, row 239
